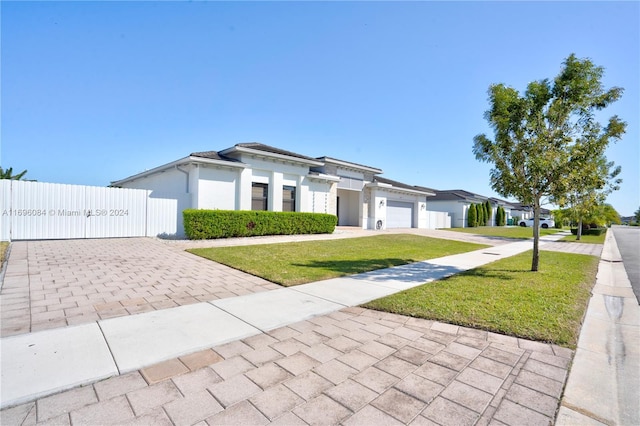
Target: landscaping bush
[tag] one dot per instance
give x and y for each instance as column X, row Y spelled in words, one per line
column 208, row 224
column 480, row 215
column 487, row 212
column 589, row 231
column 500, row 217
column 472, row 217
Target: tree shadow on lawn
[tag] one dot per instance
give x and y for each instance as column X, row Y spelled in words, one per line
column 350, row 267
column 500, row 274
column 387, row 270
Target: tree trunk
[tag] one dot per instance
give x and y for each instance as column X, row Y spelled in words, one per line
column 536, row 235
column 579, row 233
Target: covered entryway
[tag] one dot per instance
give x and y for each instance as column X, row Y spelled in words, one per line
column 399, row 214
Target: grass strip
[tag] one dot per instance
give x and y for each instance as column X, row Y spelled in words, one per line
column 585, row 239
column 507, row 298
column 517, row 232
column 4, row 245
column 290, row 264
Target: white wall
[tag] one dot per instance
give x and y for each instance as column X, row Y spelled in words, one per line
column 349, row 208
column 437, row 220
column 217, row 188
column 456, row 209
column 315, row 197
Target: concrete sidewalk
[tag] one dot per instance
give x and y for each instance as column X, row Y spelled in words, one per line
column 295, row 355
column 604, row 384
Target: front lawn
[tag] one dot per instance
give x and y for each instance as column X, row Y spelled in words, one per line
column 298, row 263
column 586, row 239
column 518, row 232
column 507, row 298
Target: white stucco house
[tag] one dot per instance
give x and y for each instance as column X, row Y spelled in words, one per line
column 524, row 211
column 254, row 176
column 457, row 201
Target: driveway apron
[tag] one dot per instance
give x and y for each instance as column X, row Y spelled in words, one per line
column 56, row 283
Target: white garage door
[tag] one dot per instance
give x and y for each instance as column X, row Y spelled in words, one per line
column 399, row 214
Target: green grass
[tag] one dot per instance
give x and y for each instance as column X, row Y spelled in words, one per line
column 518, row 232
column 506, row 298
column 4, row 245
column 298, row 263
column 586, row 239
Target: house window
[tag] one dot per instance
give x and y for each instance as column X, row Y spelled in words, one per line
column 288, row 198
column 259, row 196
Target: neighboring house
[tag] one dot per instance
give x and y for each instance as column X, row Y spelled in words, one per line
column 253, row 176
column 456, row 202
column 524, row 211
column 506, row 205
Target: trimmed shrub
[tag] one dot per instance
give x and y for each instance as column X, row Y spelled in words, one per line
column 487, row 212
column 480, row 213
column 589, row 231
column 499, row 216
column 209, row 224
column 472, row 216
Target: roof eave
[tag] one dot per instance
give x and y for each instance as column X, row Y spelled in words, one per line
column 243, row 149
column 181, row 162
column 348, row 164
column 397, row 188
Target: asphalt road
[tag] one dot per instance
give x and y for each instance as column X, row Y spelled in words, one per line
column 628, row 239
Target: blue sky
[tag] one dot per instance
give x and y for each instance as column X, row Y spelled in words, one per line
column 93, row 92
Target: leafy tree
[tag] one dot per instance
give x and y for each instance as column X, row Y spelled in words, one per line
column 637, row 215
column 609, row 215
column 560, row 218
column 472, row 216
column 480, row 214
column 589, row 185
column 8, row 174
column 542, row 137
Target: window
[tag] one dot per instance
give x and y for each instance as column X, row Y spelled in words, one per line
column 259, row 196
column 288, row 198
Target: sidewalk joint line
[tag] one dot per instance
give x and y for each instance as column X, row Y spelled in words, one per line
column 236, row 317
column 320, row 297
column 109, row 347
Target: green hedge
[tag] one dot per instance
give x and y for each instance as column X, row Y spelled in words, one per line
column 208, row 224
column 590, row 231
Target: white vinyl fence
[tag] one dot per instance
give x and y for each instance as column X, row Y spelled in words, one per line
column 37, row 210
column 437, row 220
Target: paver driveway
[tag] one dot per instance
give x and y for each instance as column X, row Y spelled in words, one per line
column 56, row 283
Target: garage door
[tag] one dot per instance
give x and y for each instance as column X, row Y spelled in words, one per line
column 399, row 214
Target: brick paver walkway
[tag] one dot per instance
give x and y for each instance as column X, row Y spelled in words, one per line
column 354, row 366
column 51, row 284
